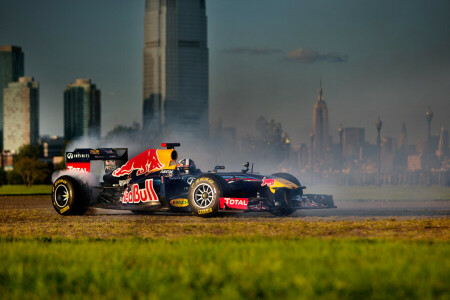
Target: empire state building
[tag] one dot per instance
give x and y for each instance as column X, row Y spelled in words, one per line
column 175, row 71
column 320, row 126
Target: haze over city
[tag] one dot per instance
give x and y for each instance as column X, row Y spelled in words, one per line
column 266, row 58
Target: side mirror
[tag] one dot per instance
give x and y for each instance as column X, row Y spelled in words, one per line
column 246, row 165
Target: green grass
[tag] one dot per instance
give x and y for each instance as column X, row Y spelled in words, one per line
column 224, row 268
column 383, row 193
column 24, row 190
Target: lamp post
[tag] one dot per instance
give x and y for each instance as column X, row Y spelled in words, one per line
column 341, row 133
column 312, row 136
column 378, row 125
column 429, row 116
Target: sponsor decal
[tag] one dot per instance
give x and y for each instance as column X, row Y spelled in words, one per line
column 190, row 180
column 168, row 173
column 64, row 209
column 204, row 211
column 235, row 203
column 84, row 167
column 124, row 182
column 72, row 155
column 136, row 195
column 144, row 163
column 179, row 202
column 268, row 182
column 95, row 151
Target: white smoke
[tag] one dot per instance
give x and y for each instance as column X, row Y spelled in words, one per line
column 206, row 153
column 87, row 178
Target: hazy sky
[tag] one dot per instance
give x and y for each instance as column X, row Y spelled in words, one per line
column 387, row 58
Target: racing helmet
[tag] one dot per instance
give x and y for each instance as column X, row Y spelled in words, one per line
column 186, row 165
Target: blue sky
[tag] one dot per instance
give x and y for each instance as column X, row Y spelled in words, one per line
column 387, row 58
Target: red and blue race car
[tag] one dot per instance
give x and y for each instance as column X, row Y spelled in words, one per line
column 155, row 181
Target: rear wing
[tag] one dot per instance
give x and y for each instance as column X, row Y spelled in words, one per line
column 80, row 159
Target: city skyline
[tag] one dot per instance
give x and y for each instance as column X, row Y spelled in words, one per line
column 266, row 61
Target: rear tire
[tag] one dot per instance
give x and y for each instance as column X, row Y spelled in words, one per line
column 204, row 195
column 69, row 196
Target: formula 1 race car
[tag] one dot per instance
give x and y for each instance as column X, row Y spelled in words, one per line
column 154, row 181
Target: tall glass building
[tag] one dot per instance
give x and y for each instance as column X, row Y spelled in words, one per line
column 81, row 110
column 175, row 74
column 11, row 68
column 21, row 114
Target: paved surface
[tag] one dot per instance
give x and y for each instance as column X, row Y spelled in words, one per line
column 346, row 209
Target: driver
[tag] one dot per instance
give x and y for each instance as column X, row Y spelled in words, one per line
column 187, row 166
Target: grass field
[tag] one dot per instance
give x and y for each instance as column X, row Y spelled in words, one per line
column 38, row 189
column 125, row 256
column 224, row 268
column 383, row 193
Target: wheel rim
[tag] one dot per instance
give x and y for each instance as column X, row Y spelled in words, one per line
column 61, row 195
column 203, row 195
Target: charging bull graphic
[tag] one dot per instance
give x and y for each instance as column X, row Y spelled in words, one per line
column 144, row 163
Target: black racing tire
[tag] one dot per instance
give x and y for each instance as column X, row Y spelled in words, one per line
column 69, row 196
column 289, row 177
column 204, row 195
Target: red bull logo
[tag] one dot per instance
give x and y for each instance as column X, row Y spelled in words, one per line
column 136, row 195
column 144, row 163
column 268, row 182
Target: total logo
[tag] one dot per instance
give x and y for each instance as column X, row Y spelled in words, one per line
column 84, row 170
column 137, row 195
column 84, row 167
column 235, row 203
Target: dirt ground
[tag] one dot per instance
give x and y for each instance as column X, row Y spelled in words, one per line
column 344, row 210
column 34, row 217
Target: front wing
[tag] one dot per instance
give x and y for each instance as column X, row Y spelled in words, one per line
column 307, row 201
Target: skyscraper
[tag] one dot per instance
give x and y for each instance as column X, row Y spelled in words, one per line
column 175, row 78
column 21, row 114
column 11, row 68
column 403, row 139
column 81, row 110
column 320, row 126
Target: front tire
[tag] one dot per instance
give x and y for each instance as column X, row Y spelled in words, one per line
column 204, row 195
column 69, row 196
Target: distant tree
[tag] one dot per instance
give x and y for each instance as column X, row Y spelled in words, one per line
column 270, row 147
column 272, row 133
column 31, row 170
column 28, row 166
column 28, row 151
